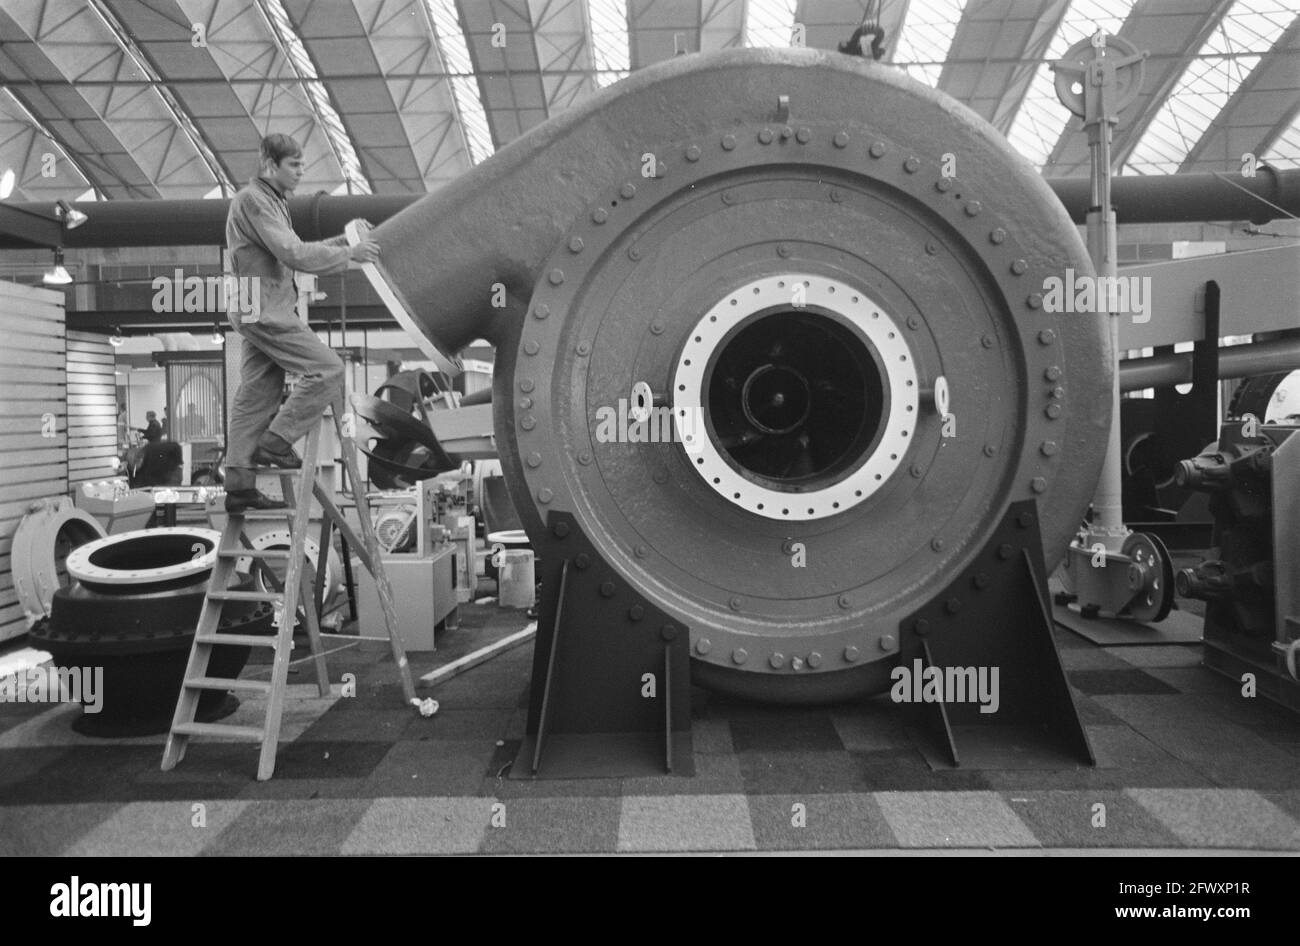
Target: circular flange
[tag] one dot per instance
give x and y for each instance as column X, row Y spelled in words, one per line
column 814, row 293
column 145, row 556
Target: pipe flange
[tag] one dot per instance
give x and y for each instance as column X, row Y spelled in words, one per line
column 815, row 294
column 145, row 556
column 49, row 530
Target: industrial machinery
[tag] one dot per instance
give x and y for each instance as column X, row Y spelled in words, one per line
column 1252, row 584
column 775, row 388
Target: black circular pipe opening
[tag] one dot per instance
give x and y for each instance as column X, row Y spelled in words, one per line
column 150, row 551
column 795, row 399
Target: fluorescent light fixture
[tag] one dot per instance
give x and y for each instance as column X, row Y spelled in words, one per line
column 72, row 217
column 58, row 275
column 6, row 183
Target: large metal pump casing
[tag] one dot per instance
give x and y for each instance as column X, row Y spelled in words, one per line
column 908, row 276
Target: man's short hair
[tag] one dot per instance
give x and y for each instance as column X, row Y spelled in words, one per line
column 277, row 147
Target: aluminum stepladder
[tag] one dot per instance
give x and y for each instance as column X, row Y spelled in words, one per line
column 298, row 588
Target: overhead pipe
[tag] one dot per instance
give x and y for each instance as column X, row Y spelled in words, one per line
column 1235, row 361
column 1176, row 198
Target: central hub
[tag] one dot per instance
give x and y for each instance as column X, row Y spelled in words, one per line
column 805, row 392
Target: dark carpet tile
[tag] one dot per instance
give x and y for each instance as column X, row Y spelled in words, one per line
column 554, row 825
column 325, row 760
column 18, row 766
column 114, row 773
column 1092, row 713
column 715, row 774
column 1071, row 819
column 294, row 789
column 47, row 830
column 373, row 725
column 434, row 768
column 498, row 784
column 791, row 731
column 1109, row 682
column 793, row 773
column 901, row 770
column 383, row 695
column 457, row 724
column 824, row 822
column 280, row 827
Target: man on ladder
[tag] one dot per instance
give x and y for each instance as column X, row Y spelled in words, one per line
column 263, row 246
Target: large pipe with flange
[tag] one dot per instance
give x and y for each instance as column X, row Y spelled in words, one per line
column 1175, row 198
column 769, row 327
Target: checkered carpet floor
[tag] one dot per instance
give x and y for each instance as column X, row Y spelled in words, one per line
column 1183, row 762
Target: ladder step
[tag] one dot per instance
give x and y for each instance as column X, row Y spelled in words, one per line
column 247, row 733
column 236, row 640
column 266, row 555
column 245, row 596
column 226, row 683
column 260, row 514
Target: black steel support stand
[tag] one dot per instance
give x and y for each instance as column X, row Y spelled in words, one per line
column 611, row 673
column 996, row 614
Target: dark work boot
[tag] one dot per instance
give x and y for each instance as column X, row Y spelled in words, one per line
column 242, row 500
column 272, row 451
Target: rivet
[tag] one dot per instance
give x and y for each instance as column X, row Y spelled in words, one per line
column 1053, row 411
column 1038, row 484
column 786, row 132
column 782, row 250
column 636, row 612
column 777, row 660
column 981, row 581
column 843, row 601
column 556, row 277
column 545, row 495
column 986, row 341
column 1035, row 300
column 525, row 403
column 526, row 385
column 1048, row 448
column 528, row 422
column 1046, row 337
column 583, row 349
column 911, row 165
column 921, row 626
column 887, row 642
column 728, row 142
column 814, row 660
column 916, row 471
column 728, row 197
column 952, row 605
column 937, row 544
column 541, row 311
column 703, row 645
column 1052, row 373
column 607, row 589
column 561, row 529
column 534, row 460
column 656, row 328
column 997, row 235
column 943, row 184
column 582, row 560
column 765, row 136
column 627, row 191
column 660, row 476
column 734, row 603
column 575, row 245
column 851, row 654
column 584, row 457
column 739, row 655
column 990, row 450
column 973, row 207
column 877, row 149
column 1019, row 266
column 836, row 196
column 693, row 153
column 1025, row 520
column 931, row 247
column 633, row 253
column 1005, row 551
column 599, row 215
column 1057, row 392
column 841, row 139
column 803, row 135
column 913, row 322
column 641, row 551
column 531, row 347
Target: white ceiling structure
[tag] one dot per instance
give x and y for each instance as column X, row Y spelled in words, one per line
column 116, row 99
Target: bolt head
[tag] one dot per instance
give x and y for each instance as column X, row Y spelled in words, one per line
column 1046, row 337
column 1019, row 267
column 911, row 165
column 531, row 347
column 765, row 136
column 599, row 215
column 981, row 580
column 843, row 601
column 545, row 495
column 728, row 142
column 636, row 612
column 777, row 660
column 1053, row 411
column 528, row 422
column 990, row 450
column 913, row 322
column 703, row 645
column 783, row 250
column 997, row 235
column 576, row 245
column 739, row 655
column 1035, row 300
column 841, row 139
column 633, row 253
column 582, row 560
column 1025, row 520
column 1048, row 448
column 877, row 149
column 584, row 349
column 851, row 654
column 916, row 471
column 931, row 247
column 937, row 544
column 921, row 626
column 584, row 457
column 668, row 632
column 541, row 311
column 526, row 385
column 986, row 341
column 814, row 660
column 943, row 184
column 693, row 153
column 1005, row 551
column 555, row 277
column 887, row 642
column 607, row 589
column 1038, row 484
column 561, row 529
column 1052, row 373
column 952, row 605
column 836, row 196
column 734, row 603
column 627, row 191
column 973, row 207
column 804, row 135
column 641, row 551
column 534, row 460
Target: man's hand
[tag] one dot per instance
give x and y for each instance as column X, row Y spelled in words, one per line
column 367, row 251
